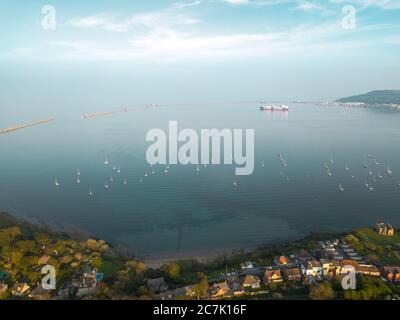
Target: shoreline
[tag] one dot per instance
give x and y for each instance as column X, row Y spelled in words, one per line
column 156, row 260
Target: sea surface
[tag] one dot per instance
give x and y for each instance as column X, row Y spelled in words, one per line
column 186, row 212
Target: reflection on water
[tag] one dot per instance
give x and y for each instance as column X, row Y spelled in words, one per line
column 326, row 156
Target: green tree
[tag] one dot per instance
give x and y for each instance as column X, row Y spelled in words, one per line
column 174, row 270
column 322, row 291
column 201, row 288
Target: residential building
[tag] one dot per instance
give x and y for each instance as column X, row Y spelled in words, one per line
column 272, row 275
column 391, row 273
column 347, row 266
column 20, row 289
column 313, row 268
column 219, row 290
column 291, row 274
column 368, row 270
column 281, row 261
column 329, row 267
column 251, row 281
column 303, row 256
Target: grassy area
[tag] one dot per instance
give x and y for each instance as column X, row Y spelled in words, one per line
column 372, row 243
column 378, row 239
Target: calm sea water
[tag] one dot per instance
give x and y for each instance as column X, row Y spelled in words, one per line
column 185, row 213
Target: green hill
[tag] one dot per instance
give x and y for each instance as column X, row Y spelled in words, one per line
column 375, row 97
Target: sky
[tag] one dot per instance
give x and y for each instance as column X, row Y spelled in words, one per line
column 102, row 54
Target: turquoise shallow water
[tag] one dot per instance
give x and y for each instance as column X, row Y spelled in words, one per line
column 185, row 213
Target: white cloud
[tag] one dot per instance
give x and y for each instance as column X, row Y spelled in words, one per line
column 382, row 4
column 257, row 2
column 182, row 5
column 172, row 45
column 154, row 20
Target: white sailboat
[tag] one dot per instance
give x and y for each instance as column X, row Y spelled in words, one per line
column 106, row 161
column 388, row 171
column 56, row 182
column 90, row 192
column 125, row 181
column 106, row 185
column 341, row 187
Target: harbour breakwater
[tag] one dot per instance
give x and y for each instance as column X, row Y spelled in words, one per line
column 27, row 125
column 99, row 114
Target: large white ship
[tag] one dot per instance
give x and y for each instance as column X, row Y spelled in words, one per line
column 282, row 107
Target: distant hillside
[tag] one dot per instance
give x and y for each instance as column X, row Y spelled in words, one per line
column 375, row 97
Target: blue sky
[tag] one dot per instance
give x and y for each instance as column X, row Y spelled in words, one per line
column 126, row 52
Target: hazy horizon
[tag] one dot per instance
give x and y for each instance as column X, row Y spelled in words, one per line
column 107, row 55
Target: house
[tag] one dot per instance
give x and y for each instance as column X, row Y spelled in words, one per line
column 313, row 268
column 329, row 267
column 391, row 273
column 20, row 289
column 219, row 290
column 303, row 256
column 252, row 282
column 368, row 270
column 292, row 274
column 236, row 289
column 156, row 285
column 347, row 266
column 272, row 275
column 281, row 261
column 385, row 229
